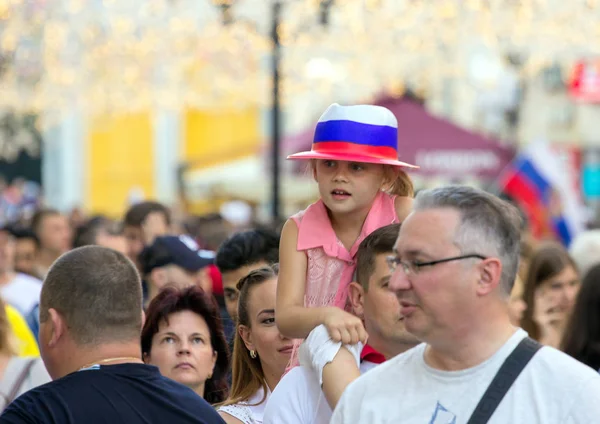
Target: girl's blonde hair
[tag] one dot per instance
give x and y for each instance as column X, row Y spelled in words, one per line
column 246, row 372
column 398, row 182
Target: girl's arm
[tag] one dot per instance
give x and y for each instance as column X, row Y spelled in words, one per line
column 292, row 318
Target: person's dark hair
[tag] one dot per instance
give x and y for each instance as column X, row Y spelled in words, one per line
column 247, row 373
column 488, row 225
column 154, row 256
column 172, row 300
column 581, row 338
column 247, row 248
column 136, row 215
column 548, row 260
column 86, row 234
column 98, row 292
column 23, row 233
column 378, row 242
column 210, row 231
column 38, row 219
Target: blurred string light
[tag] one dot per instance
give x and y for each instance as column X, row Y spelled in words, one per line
column 114, row 56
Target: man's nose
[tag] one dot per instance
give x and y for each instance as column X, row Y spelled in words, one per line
column 399, row 280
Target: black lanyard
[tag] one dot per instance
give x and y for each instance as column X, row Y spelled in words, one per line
column 504, row 379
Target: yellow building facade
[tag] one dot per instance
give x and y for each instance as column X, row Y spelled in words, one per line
column 122, row 153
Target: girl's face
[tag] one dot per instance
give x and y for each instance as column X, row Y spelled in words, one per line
column 182, row 350
column 347, row 187
column 273, row 349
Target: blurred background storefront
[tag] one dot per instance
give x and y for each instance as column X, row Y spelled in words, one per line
column 197, row 103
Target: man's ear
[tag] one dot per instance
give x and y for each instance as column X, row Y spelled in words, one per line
column 490, row 273
column 357, row 298
column 58, row 327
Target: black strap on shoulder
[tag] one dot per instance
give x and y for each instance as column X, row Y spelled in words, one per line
column 504, row 379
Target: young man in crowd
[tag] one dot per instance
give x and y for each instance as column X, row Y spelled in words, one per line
column 55, row 236
column 241, row 253
column 101, row 231
column 26, row 250
column 141, row 224
column 19, row 290
column 176, row 261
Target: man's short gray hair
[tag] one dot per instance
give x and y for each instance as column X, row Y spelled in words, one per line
column 489, row 226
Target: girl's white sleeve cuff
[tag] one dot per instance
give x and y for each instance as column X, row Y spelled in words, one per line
column 318, row 350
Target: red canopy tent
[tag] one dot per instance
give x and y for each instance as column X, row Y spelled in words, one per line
column 438, row 146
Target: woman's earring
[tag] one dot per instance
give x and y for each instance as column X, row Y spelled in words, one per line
column 209, row 376
column 253, row 354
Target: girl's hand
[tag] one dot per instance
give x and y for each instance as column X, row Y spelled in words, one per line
column 344, row 327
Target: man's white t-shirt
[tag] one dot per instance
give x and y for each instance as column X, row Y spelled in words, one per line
column 22, row 292
column 298, row 398
column 553, row 388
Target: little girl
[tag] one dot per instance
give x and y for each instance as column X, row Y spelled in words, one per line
column 354, row 160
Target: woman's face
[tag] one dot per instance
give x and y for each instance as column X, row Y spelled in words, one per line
column 559, row 292
column 272, row 349
column 182, row 350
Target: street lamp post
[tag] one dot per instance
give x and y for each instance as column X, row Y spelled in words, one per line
column 275, row 113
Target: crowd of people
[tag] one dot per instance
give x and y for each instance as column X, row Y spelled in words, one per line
column 372, row 305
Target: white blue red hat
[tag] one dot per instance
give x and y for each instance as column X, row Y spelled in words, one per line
column 361, row 133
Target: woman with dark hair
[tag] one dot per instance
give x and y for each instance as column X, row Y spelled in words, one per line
column 183, row 337
column 582, row 334
column 260, row 352
column 551, row 286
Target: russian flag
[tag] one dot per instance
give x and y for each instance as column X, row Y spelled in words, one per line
column 540, row 183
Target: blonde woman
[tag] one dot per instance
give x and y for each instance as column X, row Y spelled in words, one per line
column 260, row 352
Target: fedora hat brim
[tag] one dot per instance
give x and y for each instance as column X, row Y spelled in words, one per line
column 349, row 157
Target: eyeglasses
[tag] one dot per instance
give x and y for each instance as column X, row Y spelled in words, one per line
column 413, row 267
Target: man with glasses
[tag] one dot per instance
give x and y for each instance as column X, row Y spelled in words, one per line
column 453, row 268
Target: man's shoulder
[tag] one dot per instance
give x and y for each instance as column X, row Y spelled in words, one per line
column 26, row 408
column 71, row 397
